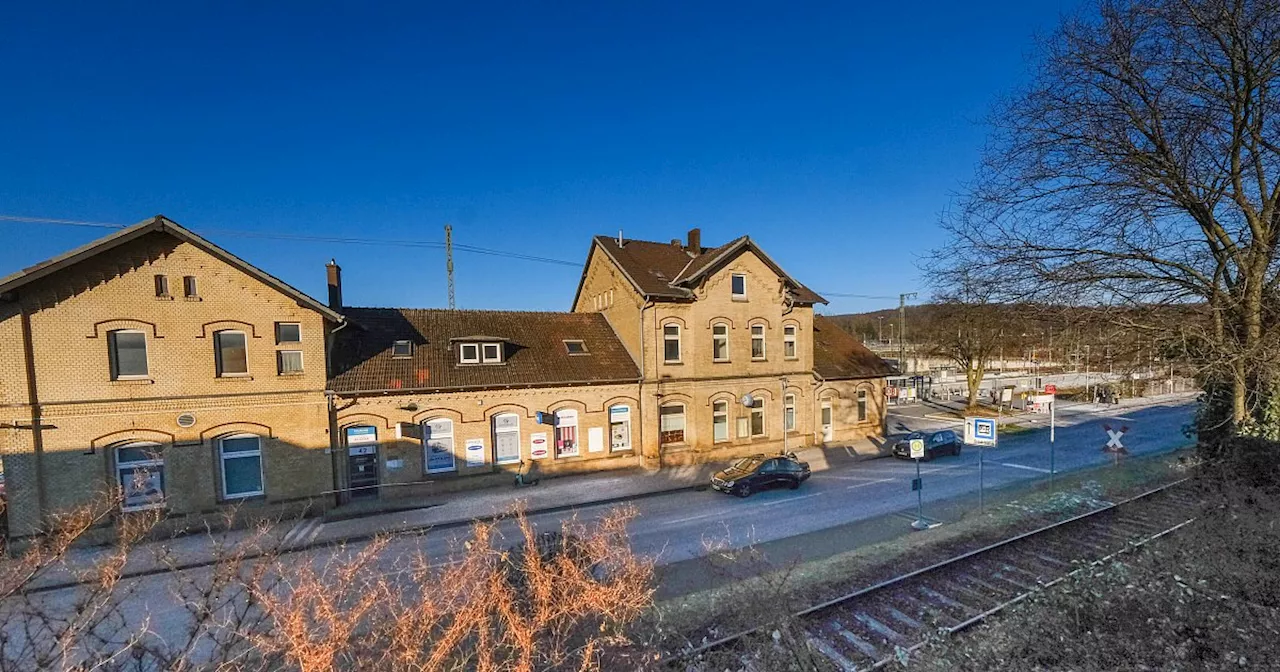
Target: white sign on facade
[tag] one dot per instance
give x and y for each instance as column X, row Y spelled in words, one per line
column 595, row 439
column 475, row 452
column 358, row 435
column 538, row 445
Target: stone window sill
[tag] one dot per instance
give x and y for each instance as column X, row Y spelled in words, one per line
column 237, row 377
column 133, row 381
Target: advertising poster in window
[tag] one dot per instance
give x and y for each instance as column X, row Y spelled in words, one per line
column 538, row 445
column 475, row 452
column 141, row 487
column 620, row 428
column 440, row 455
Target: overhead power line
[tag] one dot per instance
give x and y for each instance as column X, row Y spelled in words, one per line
column 343, row 240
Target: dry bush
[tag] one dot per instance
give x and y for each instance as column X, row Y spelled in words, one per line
column 552, row 601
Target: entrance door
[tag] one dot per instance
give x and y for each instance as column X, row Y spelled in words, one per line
column 826, row 422
column 362, row 461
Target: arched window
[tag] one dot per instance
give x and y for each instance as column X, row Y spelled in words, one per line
column 671, row 343
column 231, row 354
column 862, row 405
column 566, row 432
column 789, row 349
column 437, row 441
column 720, row 342
column 757, row 417
column 240, row 457
column 140, row 472
column 720, row 421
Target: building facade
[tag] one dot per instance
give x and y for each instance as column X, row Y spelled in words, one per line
column 156, row 367
column 156, row 363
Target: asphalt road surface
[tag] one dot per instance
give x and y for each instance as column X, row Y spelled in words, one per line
column 680, row 526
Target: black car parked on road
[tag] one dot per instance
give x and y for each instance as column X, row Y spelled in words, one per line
column 761, row 472
column 943, row 442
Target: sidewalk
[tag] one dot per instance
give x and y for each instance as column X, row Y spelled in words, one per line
column 455, row 509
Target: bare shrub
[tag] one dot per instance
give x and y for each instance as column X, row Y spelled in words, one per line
column 532, row 606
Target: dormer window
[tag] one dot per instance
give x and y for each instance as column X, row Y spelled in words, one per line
column 402, row 349
column 575, row 347
column 492, row 353
column 481, row 352
column 738, row 285
column 469, row 353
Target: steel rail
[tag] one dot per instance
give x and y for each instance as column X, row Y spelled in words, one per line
column 861, row 592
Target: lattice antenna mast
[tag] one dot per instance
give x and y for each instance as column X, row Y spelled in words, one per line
column 448, row 261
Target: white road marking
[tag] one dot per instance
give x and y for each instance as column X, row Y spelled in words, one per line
column 792, row 499
column 861, row 485
column 693, row 518
column 843, row 478
column 1022, row 466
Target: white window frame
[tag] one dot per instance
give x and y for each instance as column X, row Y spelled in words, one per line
column 484, row 353
column 155, row 462
column 501, row 430
column 626, row 422
column 758, row 406
column 790, row 334
column 398, row 343
column 302, row 366
column 720, row 412
column 862, row 405
column 190, row 287
column 462, row 353
column 582, row 344
column 738, row 296
column 280, row 339
column 668, row 338
column 567, row 417
column 219, row 365
column 222, row 466
column 764, row 352
column 788, row 412
column 717, row 338
column 684, row 424
column 113, row 355
column 429, row 435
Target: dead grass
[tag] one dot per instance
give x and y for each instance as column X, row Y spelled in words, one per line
column 1205, row 598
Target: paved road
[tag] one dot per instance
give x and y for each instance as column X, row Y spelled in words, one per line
column 681, row 526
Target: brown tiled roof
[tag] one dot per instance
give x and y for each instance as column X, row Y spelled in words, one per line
column 535, row 353
column 838, row 354
column 667, row 271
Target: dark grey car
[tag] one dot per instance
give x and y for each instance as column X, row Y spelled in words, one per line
column 944, row 442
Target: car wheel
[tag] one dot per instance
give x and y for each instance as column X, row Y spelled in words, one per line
column 795, row 484
column 743, row 491
column 957, row 452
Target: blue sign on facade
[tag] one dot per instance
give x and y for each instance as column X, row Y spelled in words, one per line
column 358, row 435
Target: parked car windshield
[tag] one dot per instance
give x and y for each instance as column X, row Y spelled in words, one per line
column 747, row 463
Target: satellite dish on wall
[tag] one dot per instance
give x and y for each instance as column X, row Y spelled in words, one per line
column 748, row 400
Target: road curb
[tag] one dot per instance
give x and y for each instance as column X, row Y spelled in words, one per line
column 366, row 536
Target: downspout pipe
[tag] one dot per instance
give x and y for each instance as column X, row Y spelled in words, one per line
column 37, row 412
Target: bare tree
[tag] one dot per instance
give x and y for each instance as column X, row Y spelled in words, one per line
column 1141, row 167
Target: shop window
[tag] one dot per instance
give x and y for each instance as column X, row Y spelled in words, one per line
column 671, row 424
column 437, row 445
column 619, row 428
column 566, row 433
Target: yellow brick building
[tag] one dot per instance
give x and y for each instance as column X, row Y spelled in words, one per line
column 157, row 365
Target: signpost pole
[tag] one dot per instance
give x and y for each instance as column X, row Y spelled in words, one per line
column 1052, row 409
column 981, row 494
column 919, row 524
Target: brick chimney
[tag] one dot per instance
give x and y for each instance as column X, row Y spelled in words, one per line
column 334, row 271
column 695, row 241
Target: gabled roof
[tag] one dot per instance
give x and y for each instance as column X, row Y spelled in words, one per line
column 669, row 271
column 837, row 354
column 534, row 351
column 157, row 224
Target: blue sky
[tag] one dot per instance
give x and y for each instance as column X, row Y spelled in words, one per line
column 834, row 134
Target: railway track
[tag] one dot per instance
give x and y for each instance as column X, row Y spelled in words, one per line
column 869, row 628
